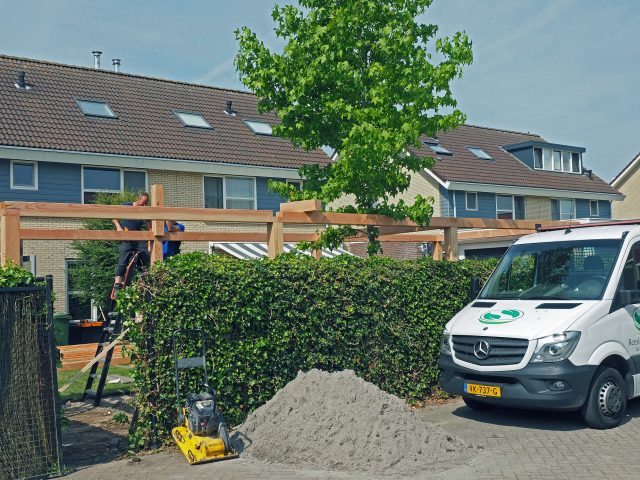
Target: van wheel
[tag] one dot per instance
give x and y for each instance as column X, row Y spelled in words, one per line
column 477, row 405
column 606, row 403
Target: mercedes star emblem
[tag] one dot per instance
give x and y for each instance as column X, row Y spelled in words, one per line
column 481, row 349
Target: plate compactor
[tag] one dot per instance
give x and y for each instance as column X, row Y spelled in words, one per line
column 202, row 432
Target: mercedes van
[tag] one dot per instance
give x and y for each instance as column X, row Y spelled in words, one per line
column 555, row 327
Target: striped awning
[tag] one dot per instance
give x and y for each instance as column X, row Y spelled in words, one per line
column 247, row 251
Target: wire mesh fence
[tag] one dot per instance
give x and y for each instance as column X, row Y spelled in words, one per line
column 30, row 443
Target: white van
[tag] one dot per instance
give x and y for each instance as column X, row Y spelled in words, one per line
column 556, row 327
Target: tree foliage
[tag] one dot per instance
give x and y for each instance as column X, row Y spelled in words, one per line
column 97, row 259
column 366, row 79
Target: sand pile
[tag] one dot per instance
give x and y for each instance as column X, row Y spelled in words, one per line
column 337, row 421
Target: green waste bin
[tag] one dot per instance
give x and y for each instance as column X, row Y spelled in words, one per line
column 61, row 328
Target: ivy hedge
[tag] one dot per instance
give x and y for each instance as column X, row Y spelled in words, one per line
column 266, row 319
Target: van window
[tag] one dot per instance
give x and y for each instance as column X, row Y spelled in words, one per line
column 576, row 270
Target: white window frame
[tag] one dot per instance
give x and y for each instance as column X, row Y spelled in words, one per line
column 35, row 175
column 560, row 200
column 68, row 291
column 466, row 201
column 513, row 207
column 224, row 190
column 553, row 160
column 121, row 170
column 562, row 162
column 294, row 181
column 597, row 204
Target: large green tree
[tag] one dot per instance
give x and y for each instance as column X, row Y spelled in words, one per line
column 365, row 78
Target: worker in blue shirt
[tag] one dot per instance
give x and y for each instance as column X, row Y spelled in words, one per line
column 171, row 248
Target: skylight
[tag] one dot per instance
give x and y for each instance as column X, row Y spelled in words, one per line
column 190, row 119
column 259, row 128
column 478, row 152
column 95, row 109
column 439, row 149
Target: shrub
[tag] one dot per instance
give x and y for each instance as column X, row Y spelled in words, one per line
column 12, row 275
column 266, row 319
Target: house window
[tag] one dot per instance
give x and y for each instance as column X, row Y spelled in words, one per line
column 594, row 210
column 478, row 152
column 557, row 160
column 509, row 207
column 190, row 119
column 213, row 192
column 96, row 109
column 576, row 164
column 440, row 149
column 556, row 155
column 79, row 308
column 296, row 183
column 111, row 180
column 240, row 193
column 471, row 201
column 563, row 209
column 537, row 158
column 504, row 206
column 230, row 192
column 259, row 128
column 23, row 175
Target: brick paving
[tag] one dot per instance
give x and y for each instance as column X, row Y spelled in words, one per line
column 512, row 444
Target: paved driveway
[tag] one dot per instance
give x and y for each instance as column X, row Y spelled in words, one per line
column 512, row 444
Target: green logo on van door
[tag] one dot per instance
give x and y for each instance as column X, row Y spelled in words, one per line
column 636, row 318
column 495, row 317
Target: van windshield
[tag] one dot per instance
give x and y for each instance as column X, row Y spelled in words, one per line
column 568, row 270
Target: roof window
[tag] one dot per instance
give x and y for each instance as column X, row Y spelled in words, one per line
column 191, row 119
column 92, row 108
column 478, row 152
column 259, row 128
column 439, row 149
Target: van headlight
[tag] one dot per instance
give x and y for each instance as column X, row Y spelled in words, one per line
column 555, row 348
column 445, row 346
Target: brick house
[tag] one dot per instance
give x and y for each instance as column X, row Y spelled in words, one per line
column 482, row 172
column 628, row 183
column 67, row 132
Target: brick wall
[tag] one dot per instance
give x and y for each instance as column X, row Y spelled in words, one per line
column 397, row 250
column 630, row 206
column 537, row 208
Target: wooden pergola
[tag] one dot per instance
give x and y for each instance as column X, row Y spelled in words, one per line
column 306, row 212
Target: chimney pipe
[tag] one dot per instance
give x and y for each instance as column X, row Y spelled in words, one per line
column 116, row 64
column 22, row 83
column 96, row 58
column 229, row 110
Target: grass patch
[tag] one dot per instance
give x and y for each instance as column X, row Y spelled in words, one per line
column 76, row 389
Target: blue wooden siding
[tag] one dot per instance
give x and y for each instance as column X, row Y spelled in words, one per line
column 583, row 209
column 486, row 206
column 57, row 182
column 525, row 155
column 266, row 199
column 446, row 207
column 604, row 207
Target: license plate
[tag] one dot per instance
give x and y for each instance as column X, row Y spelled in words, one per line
column 482, row 390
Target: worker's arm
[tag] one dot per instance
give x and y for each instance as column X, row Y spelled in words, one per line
column 117, row 224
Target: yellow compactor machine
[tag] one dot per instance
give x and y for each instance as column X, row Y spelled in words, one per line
column 202, row 432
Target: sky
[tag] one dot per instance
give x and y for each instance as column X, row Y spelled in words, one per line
column 565, row 69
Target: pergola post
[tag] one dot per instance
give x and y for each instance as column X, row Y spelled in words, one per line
column 451, row 243
column 157, row 226
column 10, row 236
column 275, row 238
column 437, row 251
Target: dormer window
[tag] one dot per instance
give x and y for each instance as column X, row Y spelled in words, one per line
column 92, row 108
column 557, row 160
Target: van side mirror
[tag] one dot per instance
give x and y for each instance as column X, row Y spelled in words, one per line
column 475, row 288
column 627, row 297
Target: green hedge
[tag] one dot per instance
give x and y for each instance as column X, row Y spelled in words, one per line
column 265, row 320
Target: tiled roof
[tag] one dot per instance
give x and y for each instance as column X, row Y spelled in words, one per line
column 504, row 169
column 47, row 116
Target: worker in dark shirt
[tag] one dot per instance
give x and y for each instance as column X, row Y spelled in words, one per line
column 129, row 246
column 171, row 248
